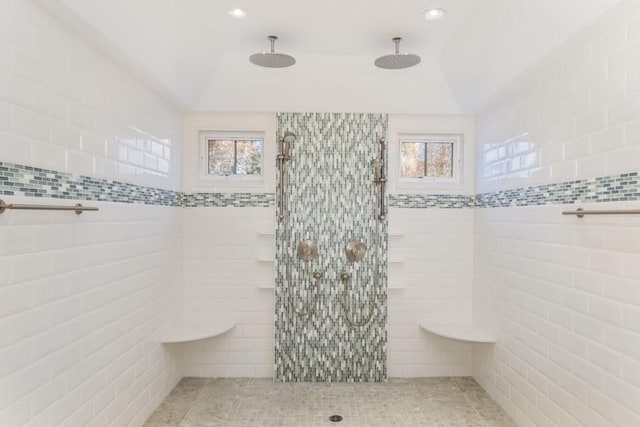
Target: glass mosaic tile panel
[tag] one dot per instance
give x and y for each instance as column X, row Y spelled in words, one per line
column 331, row 200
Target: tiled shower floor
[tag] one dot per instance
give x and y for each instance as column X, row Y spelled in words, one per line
column 427, row 402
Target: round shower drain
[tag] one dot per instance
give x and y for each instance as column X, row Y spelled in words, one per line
column 335, row 418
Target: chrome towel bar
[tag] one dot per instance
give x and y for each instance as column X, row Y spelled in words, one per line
column 78, row 208
column 580, row 213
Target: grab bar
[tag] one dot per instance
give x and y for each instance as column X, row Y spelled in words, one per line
column 580, row 213
column 78, row 208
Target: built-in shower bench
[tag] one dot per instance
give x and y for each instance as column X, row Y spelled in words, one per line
column 459, row 331
column 185, row 329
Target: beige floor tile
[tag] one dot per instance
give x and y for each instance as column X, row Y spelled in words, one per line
column 428, row 402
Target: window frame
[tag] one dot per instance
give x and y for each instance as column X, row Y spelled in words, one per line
column 233, row 180
column 455, row 181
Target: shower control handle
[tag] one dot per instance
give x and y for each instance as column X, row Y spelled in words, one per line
column 307, row 250
column 355, row 250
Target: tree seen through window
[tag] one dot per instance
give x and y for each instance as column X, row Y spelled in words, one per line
column 234, row 157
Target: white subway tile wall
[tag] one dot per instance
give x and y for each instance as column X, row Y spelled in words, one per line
column 563, row 293
column 430, row 273
column 228, row 270
column 65, row 106
column 573, row 115
column 82, row 298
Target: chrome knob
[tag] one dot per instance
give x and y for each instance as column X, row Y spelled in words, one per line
column 307, row 250
column 355, row 250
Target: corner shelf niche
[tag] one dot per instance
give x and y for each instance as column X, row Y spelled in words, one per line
column 186, row 329
column 459, row 331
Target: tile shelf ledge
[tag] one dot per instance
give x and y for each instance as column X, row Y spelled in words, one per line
column 186, row 329
column 459, row 331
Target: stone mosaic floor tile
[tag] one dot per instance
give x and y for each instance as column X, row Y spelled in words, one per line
column 424, row 402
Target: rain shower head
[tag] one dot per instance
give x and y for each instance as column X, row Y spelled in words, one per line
column 289, row 137
column 397, row 60
column 272, row 59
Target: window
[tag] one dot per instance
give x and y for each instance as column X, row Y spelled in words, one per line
column 431, row 159
column 233, row 155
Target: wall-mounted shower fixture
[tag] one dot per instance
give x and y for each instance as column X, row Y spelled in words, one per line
column 284, row 155
column 272, row 59
column 355, row 250
column 309, row 308
column 379, row 177
column 346, row 279
column 397, row 60
column 307, row 250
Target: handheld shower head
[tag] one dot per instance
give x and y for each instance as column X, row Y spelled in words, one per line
column 289, row 137
column 285, row 143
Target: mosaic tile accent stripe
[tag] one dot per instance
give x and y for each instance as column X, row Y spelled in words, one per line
column 238, row 200
column 20, row 180
column 615, row 188
column 425, row 201
column 331, row 201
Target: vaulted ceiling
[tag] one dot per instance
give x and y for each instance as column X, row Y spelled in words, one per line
column 196, row 53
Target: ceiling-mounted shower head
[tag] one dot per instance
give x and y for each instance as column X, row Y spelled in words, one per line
column 272, row 59
column 397, row 60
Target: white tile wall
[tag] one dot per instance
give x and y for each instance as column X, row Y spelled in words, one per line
column 65, row 106
column 82, row 298
column 222, row 275
column 563, row 293
column 574, row 115
column 431, row 262
column 565, row 304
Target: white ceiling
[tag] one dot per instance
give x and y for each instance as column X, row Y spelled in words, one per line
column 192, row 50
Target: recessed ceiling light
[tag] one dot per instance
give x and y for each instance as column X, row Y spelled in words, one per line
column 236, row 12
column 435, row 14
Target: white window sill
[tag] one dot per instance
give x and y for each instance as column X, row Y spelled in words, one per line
column 422, row 185
column 233, row 184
